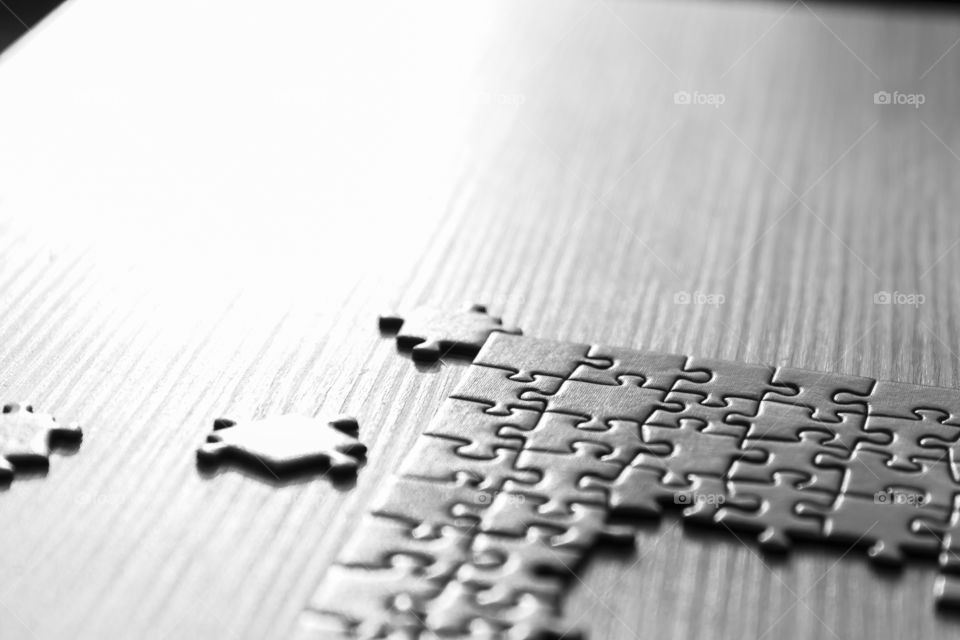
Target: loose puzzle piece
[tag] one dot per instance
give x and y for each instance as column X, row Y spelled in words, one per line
column 484, row 432
column 693, row 450
column 433, row 333
column 798, row 455
column 601, row 403
column 891, row 529
column 494, row 388
column 818, row 392
column 723, row 379
column 771, row 510
column 26, row 439
column 287, row 443
column 657, row 370
column 529, row 357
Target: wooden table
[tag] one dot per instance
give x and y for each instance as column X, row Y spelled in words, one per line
column 203, row 207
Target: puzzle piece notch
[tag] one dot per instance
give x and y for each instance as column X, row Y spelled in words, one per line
column 27, row 439
column 607, row 365
column 505, row 567
column 727, row 379
column 439, row 458
column 694, row 449
column 775, row 420
column 791, row 456
column 678, row 405
column 382, row 539
column 819, row 392
column 903, row 400
column 432, row 332
column 928, row 435
column 868, row 473
column 558, row 476
column 495, row 389
column 529, row 357
column 558, row 432
column 432, row 504
column 484, row 432
column 598, row 403
column 285, row 444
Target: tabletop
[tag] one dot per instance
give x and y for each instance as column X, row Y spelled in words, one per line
column 205, row 205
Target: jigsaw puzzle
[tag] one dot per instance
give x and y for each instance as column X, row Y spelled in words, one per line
column 547, row 449
column 285, row 444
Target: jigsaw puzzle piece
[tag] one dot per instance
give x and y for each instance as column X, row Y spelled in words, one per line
column 381, row 539
column 770, row 510
column 558, row 432
column 27, row 439
column 285, row 444
column 438, row 458
column 818, row 392
column 529, row 357
column 949, row 558
column 657, row 370
column 928, row 435
column 636, row 492
column 724, row 379
column 432, row 332
column 694, row 449
column 559, row 475
column 902, row 400
column 376, row 601
column 469, row 421
column 679, row 406
column 795, row 456
column 506, row 567
column 891, row 529
column 602, row 403
column 494, row 388
column 432, row 503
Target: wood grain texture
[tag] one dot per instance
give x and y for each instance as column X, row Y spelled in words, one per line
column 203, row 207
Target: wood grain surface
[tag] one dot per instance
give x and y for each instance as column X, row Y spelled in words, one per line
column 204, row 205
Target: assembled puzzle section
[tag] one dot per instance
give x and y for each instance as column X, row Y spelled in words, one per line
column 544, row 444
